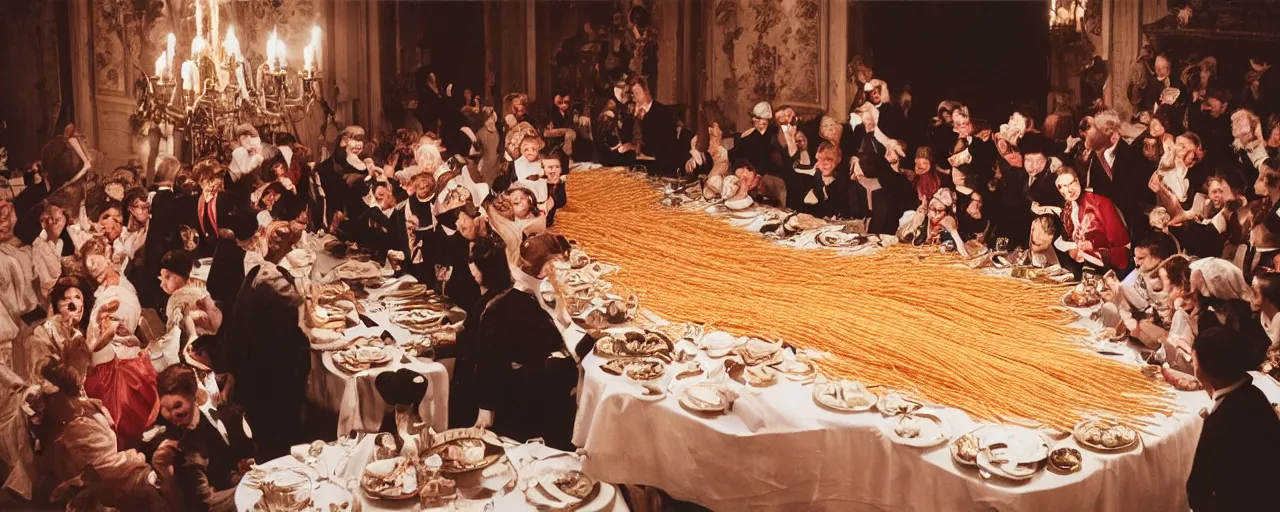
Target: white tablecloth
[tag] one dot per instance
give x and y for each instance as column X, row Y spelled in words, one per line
column 333, row 490
column 779, row 450
column 353, row 397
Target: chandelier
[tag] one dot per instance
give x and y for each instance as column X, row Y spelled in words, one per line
column 207, row 96
column 1067, row 15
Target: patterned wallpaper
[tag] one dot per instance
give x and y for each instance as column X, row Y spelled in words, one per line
column 767, row 50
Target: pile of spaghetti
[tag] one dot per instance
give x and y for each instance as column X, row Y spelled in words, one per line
column 993, row 347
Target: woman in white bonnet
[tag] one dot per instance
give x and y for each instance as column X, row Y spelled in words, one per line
column 934, row 223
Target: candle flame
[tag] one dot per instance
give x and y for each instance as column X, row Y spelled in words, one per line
column 232, row 45
column 160, row 61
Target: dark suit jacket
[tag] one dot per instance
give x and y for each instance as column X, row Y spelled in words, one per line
column 189, row 215
column 25, row 206
column 196, row 477
column 1235, row 463
column 1127, row 186
column 659, row 131
column 757, row 148
column 1151, row 95
column 162, row 237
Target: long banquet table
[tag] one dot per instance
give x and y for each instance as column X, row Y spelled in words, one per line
column 778, row 450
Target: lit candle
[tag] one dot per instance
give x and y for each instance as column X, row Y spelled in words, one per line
column 173, row 43
column 308, row 55
column 213, row 28
column 160, row 66
column 198, row 46
column 271, row 51
column 199, row 19
column 232, row 45
column 315, row 44
column 188, row 81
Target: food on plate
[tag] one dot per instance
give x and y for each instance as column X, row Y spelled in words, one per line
column 967, row 447
column 465, row 451
column 633, row 343
column 1065, row 460
column 576, row 484
column 734, row 370
column 705, row 397
column 358, row 359
column 757, row 351
column 797, row 370
column 645, row 369
column 394, row 478
column 1105, row 435
column 908, row 427
column 420, row 321
column 760, row 376
column 843, row 396
column 893, row 404
column 838, row 238
column 1083, row 295
column 351, row 270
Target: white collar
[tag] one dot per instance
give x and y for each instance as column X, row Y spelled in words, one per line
column 964, row 190
column 1110, row 153
column 1272, row 326
column 644, row 107
column 526, row 282
column 164, row 187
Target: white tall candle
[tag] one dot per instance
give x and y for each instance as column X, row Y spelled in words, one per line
column 172, row 44
column 160, row 65
column 315, row 43
column 199, row 18
column 187, row 80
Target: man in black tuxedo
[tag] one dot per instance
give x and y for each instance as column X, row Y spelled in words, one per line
column 1157, row 83
column 891, row 119
column 162, row 228
column 1118, row 172
column 654, row 132
column 206, row 445
column 1234, row 466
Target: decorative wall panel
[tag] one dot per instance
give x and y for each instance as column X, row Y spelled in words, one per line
column 768, row 50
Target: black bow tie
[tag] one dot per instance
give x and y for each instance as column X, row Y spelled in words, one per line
column 214, row 415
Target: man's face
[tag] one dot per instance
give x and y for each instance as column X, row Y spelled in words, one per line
column 422, row 188
column 1162, row 68
column 171, row 282
column 1241, row 129
column 551, row 168
column 826, row 163
column 1215, row 107
column 1156, row 128
column 383, row 196
column 640, row 95
column 53, row 221
column 746, row 176
column 469, row 227
column 1069, row 187
column 1260, row 185
column 178, row 409
column 529, row 150
column 1219, row 193
column 961, row 124
column 140, row 212
column 71, row 305
column 937, row 212
column 1096, row 138
column 562, row 103
column 760, row 124
column 1144, row 260
column 1034, row 163
column 1183, row 147
column 784, row 116
column 111, row 222
column 269, row 199
column 874, row 96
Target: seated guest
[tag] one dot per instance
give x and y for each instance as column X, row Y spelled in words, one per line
column 514, row 215
column 1044, row 230
column 552, row 168
column 1094, row 231
column 925, row 178
column 1263, row 247
column 934, row 223
column 50, row 247
column 828, row 195
column 528, row 169
column 1143, row 302
column 969, row 202
column 536, row 264
column 1040, row 168
column 1156, row 142
column 209, row 448
column 757, row 145
column 559, row 132
column 1248, row 145
column 191, row 312
column 78, row 446
column 878, row 192
column 1233, row 467
column 754, row 187
column 654, row 131
column 1266, row 288
column 50, row 338
column 523, row 371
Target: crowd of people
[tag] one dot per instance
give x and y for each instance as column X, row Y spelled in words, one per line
column 150, row 349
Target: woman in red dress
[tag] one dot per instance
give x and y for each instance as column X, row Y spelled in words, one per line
column 121, row 376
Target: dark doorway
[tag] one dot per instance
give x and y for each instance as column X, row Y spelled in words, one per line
column 989, row 54
column 454, row 37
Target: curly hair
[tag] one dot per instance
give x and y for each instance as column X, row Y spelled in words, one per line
column 62, row 375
